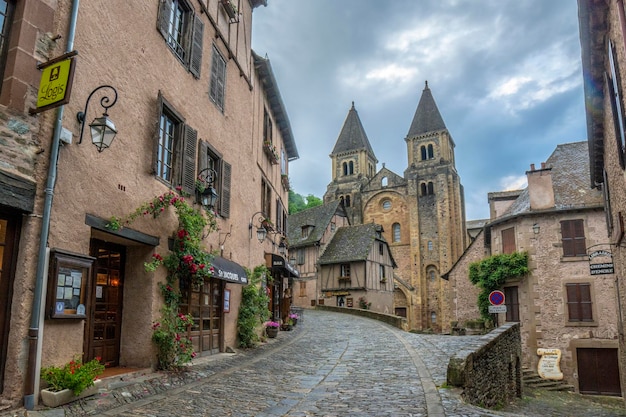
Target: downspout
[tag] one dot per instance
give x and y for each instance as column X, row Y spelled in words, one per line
column 34, row 355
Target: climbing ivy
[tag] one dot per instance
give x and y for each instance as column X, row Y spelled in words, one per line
column 491, row 273
column 254, row 307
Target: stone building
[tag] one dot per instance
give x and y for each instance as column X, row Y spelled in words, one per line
column 189, row 99
column 603, row 41
column 568, row 300
column 422, row 212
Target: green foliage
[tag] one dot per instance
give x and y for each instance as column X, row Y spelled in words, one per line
column 363, row 304
column 253, row 309
column 298, row 203
column 75, row 375
column 491, row 273
column 187, row 264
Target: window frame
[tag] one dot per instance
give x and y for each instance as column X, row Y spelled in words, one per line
column 344, row 270
column 396, row 230
column 301, row 256
column 584, row 316
column 187, row 47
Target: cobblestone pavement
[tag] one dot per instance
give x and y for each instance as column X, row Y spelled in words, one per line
column 331, row 365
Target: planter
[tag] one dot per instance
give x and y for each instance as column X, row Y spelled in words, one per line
column 286, row 327
column 271, row 332
column 295, row 321
column 57, row 398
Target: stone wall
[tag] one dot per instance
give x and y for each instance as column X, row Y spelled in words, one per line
column 490, row 374
column 395, row 321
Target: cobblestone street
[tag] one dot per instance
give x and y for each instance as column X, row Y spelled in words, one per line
column 330, row 365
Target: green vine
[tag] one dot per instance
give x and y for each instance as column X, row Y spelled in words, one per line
column 253, row 308
column 491, row 273
column 187, row 264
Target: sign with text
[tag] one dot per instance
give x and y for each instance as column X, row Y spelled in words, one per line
column 601, row 269
column 549, row 366
column 497, row 309
column 55, row 85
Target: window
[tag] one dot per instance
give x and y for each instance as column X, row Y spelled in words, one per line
column 396, row 232
column 432, row 275
column 613, row 85
column 208, row 157
column 387, row 205
column 430, row 245
column 433, row 317
column 302, row 289
column 384, row 182
column 301, row 256
column 423, row 190
column 266, row 198
column 512, row 303
column 345, row 168
column 6, row 16
column 345, row 270
column 431, row 152
column 508, row 240
column 306, row 231
column 267, row 127
column 431, row 188
column 175, row 149
column 218, row 79
column 381, row 249
column 347, row 201
column 333, row 226
column 182, row 30
column 351, row 167
column 579, row 302
column 382, row 272
column 423, row 152
column 573, row 238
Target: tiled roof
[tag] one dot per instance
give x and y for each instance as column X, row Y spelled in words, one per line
column 427, row 117
column 352, row 136
column 317, row 217
column 570, row 181
column 476, row 224
column 351, row 243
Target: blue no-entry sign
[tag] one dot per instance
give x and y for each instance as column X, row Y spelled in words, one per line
column 496, row 298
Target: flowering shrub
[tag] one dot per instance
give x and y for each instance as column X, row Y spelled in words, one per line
column 188, row 264
column 293, row 316
column 363, row 304
column 75, row 375
column 271, row 324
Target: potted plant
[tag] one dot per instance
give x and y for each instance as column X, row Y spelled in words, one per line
column 271, row 329
column 71, row 381
column 293, row 317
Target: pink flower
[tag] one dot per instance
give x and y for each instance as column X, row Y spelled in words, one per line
column 179, row 188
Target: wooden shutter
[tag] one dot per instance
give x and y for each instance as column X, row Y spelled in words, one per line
column 165, row 6
column 203, row 161
column 573, row 238
column 218, row 79
column 508, row 240
column 279, row 215
column 225, row 191
column 157, row 135
column 188, row 166
column 512, row 303
column 195, row 59
column 579, row 306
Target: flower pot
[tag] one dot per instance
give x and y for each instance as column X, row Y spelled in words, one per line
column 295, row 321
column 57, row 398
column 271, row 332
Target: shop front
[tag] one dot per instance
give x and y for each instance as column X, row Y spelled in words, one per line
column 281, row 289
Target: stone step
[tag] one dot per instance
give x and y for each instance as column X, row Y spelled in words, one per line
column 531, row 379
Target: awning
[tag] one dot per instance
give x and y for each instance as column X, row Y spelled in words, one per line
column 229, row 271
column 279, row 263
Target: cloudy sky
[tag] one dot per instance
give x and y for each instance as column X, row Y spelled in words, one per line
column 505, row 74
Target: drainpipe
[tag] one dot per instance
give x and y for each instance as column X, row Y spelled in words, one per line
column 34, row 354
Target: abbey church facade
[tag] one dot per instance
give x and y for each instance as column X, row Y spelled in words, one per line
column 422, row 211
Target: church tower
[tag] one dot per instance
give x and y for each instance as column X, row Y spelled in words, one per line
column 437, row 215
column 353, row 165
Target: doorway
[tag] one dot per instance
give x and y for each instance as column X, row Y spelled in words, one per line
column 104, row 321
column 598, row 371
column 204, row 303
column 9, row 235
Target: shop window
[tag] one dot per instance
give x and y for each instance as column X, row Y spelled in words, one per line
column 573, row 238
column 182, row 30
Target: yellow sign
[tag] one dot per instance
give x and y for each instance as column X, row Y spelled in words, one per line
column 55, row 84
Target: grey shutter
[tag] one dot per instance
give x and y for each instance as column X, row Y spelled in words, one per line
column 225, row 192
column 157, row 135
column 195, row 60
column 188, row 166
column 203, row 161
column 165, row 6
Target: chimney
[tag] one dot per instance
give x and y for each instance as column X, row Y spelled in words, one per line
column 540, row 188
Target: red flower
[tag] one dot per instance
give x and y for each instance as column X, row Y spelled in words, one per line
column 179, row 188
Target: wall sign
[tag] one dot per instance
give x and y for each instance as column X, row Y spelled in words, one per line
column 68, row 278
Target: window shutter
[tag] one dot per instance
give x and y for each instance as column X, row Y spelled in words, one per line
column 585, row 302
column 572, row 302
column 165, row 6
column 188, row 166
column 195, row 59
column 157, row 135
column 508, row 240
column 225, row 194
column 279, row 215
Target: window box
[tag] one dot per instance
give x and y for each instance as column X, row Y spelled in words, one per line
column 231, row 10
column 271, row 152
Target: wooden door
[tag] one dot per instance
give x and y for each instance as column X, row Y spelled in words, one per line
column 598, row 371
column 104, row 322
column 205, row 304
column 9, row 227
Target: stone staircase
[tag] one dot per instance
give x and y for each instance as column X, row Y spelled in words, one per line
column 531, row 379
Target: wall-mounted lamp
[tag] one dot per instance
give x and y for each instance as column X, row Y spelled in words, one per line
column 261, row 231
column 204, row 187
column 292, row 260
column 536, row 228
column 102, row 128
column 282, row 247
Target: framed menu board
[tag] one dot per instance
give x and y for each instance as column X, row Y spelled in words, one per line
column 68, row 278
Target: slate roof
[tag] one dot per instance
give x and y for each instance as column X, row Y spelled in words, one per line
column 352, row 136
column 352, row 243
column 319, row 217
column 570, row 181
column 427, row 117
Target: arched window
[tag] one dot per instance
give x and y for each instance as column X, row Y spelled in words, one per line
column 396, row 232
column 341, row 199
column 423, row 189
column 430, row 245
column 384, row 182
column 347, row 201
column 432, row 275
column 431, row 188
column 345, row 168
column 423, row 152
column 431, row 152
column 350, row 168
column 433, row 317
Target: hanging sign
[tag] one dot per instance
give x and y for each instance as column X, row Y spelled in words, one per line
column 601, row 262
column 55, row 84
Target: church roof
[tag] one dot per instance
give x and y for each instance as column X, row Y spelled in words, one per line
column 352, row 136
column 427, row 117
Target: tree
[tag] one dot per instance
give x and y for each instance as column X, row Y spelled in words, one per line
column 298, row 203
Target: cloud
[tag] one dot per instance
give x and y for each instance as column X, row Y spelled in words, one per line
column 513, row 182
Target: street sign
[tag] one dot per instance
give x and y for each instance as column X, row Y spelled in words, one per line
column 496, row 298
column 600, row 269
column 497, row 309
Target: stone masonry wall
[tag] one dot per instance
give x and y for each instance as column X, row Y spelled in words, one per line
column 490, row 374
